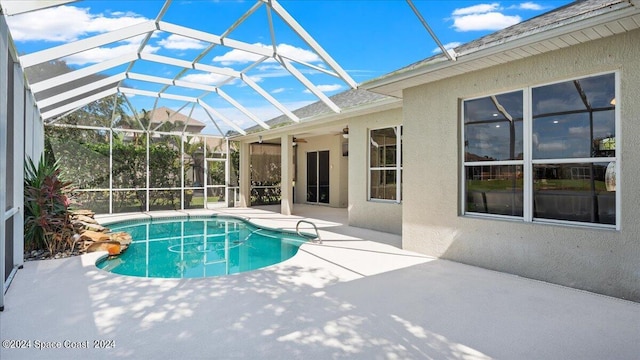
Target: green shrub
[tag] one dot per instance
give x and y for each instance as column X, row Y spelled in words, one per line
column 46, row 205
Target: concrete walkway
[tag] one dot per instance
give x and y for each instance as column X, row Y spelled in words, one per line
column 355, row 296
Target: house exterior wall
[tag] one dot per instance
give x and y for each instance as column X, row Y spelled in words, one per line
column 598, row 260
column 337, row 169
column 376, row 215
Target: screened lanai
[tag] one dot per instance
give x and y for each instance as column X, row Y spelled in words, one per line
column 139, row 109
column 125, row 154
column 142, row 108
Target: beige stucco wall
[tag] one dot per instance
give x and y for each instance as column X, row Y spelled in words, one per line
column 382, row 216
column 603, row 261
column 338, row 174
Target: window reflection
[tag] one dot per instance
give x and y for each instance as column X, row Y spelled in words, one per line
column 574, row 119
column 494, row 189
column 384, row 168
column 383, row 147
column 574, row 192
column 570, row 155
column 383, row 184
column 493, row 128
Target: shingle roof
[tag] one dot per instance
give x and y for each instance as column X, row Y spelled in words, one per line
column 345, row 100
column 572, row 12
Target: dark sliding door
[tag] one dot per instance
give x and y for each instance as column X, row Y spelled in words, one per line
column 318, row 177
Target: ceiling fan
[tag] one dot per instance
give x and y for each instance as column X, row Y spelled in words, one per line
column 345, row 132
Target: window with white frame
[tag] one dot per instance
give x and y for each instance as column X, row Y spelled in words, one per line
column 543, row 153
column 385, row 164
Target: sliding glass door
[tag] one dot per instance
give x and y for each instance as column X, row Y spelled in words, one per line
column 318, row 177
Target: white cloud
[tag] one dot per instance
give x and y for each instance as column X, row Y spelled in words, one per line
column 207, row 79
column 66, row 23
column 326, row 88
column 486, row 21
column 278, row 90
column 530, row 6
column 447, row 46
column 297, row 53
column 476, row 9
column 236, row 57
column 241, row 57
column 178, row 42
column 270, row 67
column 486, row 17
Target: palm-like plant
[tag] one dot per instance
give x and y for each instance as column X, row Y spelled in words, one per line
column 46, row 207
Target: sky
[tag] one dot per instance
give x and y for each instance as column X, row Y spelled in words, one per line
column 367, row 38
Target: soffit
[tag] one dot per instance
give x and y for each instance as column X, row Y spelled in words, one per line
column 177, row 87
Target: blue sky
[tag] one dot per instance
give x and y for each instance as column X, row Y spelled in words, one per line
column 367, row 38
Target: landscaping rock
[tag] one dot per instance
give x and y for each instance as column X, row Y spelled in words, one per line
column 84, row 212
column 122, row 237
column 88, row 236
column 85, row 219
column 94, row 236
column 92, row 227
column 112, row 247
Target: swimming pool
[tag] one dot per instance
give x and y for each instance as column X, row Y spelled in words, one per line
column 198, row 247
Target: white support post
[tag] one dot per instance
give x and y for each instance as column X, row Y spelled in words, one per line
column 182, row 140
column 29, row 123
column 286, row 174
column 111, row 171
column 4, row 79
column 38, row 136
column 245, row 174
column 18, row 165
column 148, row 172
column 206, row 178
column 227, row 175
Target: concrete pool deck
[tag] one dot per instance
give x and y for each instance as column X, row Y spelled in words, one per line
column 357, row 296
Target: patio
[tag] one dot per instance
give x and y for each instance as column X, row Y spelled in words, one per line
column 356, row 295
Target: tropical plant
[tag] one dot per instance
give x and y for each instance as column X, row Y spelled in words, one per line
column 46, row 198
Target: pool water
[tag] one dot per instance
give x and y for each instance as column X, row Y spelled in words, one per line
column 199, row 247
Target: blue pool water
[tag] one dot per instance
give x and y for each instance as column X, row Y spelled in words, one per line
column 199, row 247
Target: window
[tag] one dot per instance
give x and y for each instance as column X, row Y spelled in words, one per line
column 385, row 164
column 543, row 153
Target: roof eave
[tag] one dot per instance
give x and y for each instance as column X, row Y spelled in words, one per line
column 319, row 121
column 388, row 84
